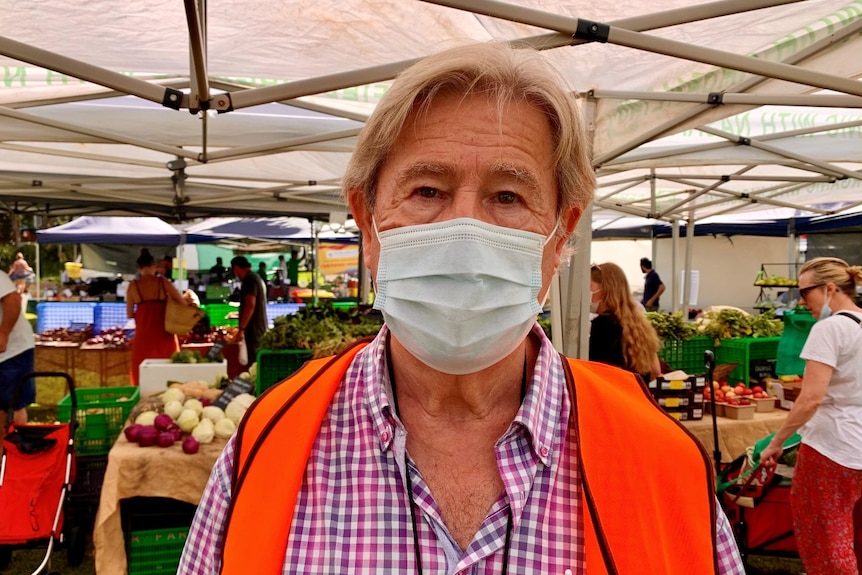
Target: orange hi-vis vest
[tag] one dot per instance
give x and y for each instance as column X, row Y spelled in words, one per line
column 647, row 486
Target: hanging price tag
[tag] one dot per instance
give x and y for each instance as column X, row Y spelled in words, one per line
column 236, row 387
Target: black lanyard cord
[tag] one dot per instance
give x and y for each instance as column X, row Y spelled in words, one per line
column 417, row 551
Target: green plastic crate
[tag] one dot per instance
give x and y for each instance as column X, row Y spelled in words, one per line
column 102, row 412
column 217, row 313
column 797, row 324
column 744, row 351
column 275, row 366
column 686, row 355
column 156, row 551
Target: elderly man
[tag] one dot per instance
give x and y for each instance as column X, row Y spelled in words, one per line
column 458, row 441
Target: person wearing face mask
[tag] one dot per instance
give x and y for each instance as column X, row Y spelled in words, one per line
column 827, row 481
column 620, row 334
column 458, row 440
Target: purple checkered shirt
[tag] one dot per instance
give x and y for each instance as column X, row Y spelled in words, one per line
column 353, row 512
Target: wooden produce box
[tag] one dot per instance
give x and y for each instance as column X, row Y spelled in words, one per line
column 739, row 411
column 764, row 405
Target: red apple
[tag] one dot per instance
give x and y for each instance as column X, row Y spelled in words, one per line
column 756, row 389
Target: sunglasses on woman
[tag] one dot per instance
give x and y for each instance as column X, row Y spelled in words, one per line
column 803, row 292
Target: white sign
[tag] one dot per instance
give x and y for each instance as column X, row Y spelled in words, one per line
column 693, row 286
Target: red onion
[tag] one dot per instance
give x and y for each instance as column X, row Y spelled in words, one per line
column 175, row 431
column 190, row 445
column 163, row 421
column 165, row 439
column 147, row 436
column 133, row 432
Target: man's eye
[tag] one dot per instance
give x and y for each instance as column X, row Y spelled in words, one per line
column 507, row 197
column 427, row 192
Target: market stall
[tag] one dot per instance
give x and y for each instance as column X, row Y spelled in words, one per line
column 735, row 435
column 134, row 471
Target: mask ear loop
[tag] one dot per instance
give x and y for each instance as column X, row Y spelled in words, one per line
column 554, row 231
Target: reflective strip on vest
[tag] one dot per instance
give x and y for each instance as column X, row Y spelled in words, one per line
column 655, row 515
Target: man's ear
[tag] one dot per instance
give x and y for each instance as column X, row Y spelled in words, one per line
column 359, row 210
column 568, row 222
column 362, row 215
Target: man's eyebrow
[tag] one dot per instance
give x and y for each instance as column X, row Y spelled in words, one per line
column 504, row 169
column 424, row 169
column 523, row 176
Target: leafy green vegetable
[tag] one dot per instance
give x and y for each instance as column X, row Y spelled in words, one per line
column 671, row 325
column 730, row 323
column 322, row 328
column 189, row 356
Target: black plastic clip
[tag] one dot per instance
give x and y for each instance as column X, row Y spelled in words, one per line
column 173, row 99
column 725, row 178
column 715, row 98
column 592, row 31
column 743, row 141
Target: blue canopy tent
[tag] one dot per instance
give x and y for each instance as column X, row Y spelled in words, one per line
column 113, row 232
column 120, row 230
column 285, row 230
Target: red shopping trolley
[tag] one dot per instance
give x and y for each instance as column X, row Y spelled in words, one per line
column 37, row 467
column 755, row 498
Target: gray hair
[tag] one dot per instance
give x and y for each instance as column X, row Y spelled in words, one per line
column 506, row 74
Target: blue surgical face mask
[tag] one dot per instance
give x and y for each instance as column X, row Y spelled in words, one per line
column 826, row 311
column 461, row 294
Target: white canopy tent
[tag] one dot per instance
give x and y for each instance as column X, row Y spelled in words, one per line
column 664, row 86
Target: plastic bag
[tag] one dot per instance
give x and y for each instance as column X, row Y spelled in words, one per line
column 243, row 353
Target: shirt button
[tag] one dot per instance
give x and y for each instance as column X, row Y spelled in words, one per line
column 385, row 436
column 544, row 451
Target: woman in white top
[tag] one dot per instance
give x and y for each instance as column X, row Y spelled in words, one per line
column 827, row 482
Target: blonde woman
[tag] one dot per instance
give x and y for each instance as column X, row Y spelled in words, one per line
column 620, row 334
column 827, row 482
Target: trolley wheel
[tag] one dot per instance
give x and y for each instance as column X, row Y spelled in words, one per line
column 76, row 545
column 5, row 556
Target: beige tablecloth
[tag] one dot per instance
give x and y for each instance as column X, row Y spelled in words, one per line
column 135, row 471
column 735, row 435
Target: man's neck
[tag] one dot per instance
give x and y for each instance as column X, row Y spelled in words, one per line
column 486, row 394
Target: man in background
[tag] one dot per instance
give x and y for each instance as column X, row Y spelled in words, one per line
column 16, row 352
column 252, row 305
column 293, row 266
column 218, row 273
column 653, row 286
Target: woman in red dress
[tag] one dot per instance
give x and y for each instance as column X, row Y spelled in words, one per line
column 146, row 301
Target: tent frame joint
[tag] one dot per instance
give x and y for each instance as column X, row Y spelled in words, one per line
column 715, row 98
column 172, row 99
column 222, row 103
column 592, row 31
column 743, row 141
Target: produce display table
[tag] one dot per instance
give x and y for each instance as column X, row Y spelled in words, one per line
column 88, row 365
column 735, row 435
column 101, row 366
column 135, row 471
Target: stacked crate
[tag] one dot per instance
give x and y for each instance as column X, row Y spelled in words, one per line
column 681, row 398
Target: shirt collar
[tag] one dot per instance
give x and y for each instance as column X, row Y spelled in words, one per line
column 542, row 415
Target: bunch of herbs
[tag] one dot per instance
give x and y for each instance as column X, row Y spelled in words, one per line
column 323, row 329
